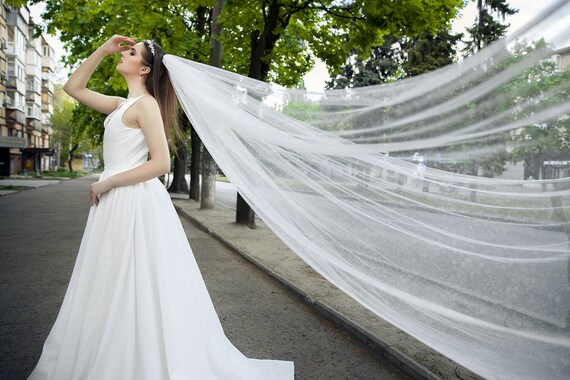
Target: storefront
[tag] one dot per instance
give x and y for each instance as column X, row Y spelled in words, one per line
column 36, row 159
column 11, row 155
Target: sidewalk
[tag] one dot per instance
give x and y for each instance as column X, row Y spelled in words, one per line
column 13, row 185
column 266, row 250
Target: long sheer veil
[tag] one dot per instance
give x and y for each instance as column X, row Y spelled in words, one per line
column 393, row 192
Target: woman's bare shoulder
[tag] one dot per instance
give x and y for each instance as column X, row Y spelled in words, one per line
column 147, row 100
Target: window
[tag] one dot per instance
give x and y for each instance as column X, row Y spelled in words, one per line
column 558, row 62
column 30, row 83
column 11, row 67
column 11, row 99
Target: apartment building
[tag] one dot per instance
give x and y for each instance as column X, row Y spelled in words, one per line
column 27, row 94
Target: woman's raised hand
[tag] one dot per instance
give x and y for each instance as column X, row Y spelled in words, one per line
column 117, row 44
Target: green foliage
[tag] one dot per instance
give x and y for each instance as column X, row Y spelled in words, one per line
column 398, row 58
column 428, row 52
column 542, row 86
column 487, row 28
column 415, row 39
column 62, row 122
column 382, row 66
column 284, row 32
column 536, row 89
column 19, row 3
column 62, row 173
column 331, row 30
column 304, row 111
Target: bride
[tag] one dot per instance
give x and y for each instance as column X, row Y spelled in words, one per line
column 136, row 306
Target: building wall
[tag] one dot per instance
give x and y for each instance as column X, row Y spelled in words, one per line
column 27, row 92
column 3, row 67
column 565, row 60
column 562, row 58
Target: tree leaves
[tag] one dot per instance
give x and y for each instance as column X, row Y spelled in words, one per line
column 288, row 33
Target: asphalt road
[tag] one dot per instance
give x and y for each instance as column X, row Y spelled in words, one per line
column 40, row 232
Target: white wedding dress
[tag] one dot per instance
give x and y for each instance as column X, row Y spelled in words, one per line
column 137, row 306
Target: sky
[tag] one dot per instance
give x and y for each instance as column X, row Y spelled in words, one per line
column 315, row 79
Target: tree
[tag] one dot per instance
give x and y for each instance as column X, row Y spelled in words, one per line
column 428, row 52
column 486, row 28
column 283, row 36
column 537, row 88
column 62, row 124
column 383, row 65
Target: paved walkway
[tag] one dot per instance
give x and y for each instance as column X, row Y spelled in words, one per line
column 20, row 184
column 263, row 248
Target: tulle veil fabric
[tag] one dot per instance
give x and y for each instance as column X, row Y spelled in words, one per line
column 358, row 183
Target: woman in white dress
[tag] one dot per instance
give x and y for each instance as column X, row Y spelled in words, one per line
column 137, row 306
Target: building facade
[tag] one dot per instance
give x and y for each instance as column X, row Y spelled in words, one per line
column 562, row 58
column 27, row 95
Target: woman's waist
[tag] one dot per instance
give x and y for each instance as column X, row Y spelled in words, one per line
column 110, row 171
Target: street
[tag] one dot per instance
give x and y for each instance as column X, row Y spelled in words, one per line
column 40, row 232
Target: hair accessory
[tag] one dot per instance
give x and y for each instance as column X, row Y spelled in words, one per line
column 150, row 46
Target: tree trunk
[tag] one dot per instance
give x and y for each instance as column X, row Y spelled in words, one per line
column 480, row 22
column 207, row 199
column 195, row 166
column 70, row 158
column 179, row 184
column 262, row 44
column 244, row 213
column 202, row 20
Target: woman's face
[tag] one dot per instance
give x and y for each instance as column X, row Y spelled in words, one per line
column 130, row 63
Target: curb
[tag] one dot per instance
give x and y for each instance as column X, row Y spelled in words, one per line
column 406, row 364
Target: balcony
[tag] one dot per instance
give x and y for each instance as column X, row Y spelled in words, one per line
column 14, row 115
column 11, row 48
column 34, row 124
column 14, row 82
column 48, row 62
column 31, row 95
column 47, row 86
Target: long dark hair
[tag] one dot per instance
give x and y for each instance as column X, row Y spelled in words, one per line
column 158, row 85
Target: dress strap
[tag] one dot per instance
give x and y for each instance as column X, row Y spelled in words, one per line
column 131, row 101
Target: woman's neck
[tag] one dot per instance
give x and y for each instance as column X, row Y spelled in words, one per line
column 136, row 88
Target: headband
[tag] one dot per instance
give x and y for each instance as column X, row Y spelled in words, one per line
column 150, row 46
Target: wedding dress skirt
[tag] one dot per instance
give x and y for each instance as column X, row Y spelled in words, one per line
column 137, row 306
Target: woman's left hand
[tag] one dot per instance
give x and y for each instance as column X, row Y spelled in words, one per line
column 97, row 189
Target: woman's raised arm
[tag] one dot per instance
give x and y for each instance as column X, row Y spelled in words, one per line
column 76, row 85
